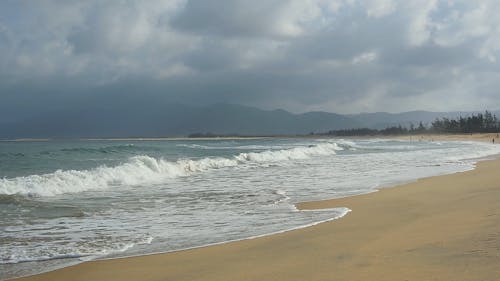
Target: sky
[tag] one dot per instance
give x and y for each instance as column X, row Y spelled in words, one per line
column 343, row 56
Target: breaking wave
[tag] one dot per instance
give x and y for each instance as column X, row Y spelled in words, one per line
column 108, row 149
column 239, row 147
column 145, row 169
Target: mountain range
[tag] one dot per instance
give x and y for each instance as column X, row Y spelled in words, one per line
column 147, row 119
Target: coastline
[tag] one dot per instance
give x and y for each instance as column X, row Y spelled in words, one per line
column 484, row 137
column 442, row 228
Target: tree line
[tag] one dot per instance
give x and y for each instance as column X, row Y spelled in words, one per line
column 476, row 123
column 480, row 123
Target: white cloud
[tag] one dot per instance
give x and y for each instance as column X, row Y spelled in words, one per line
column 364, row 58
column 379, row 8
column 421, row 25
column 103, row 38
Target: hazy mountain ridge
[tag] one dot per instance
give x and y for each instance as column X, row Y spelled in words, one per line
column 136, row 118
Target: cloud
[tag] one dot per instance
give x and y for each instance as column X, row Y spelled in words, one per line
column 240, row 18
column 334, row 55
column 420, row 25
column 380, row 8
column 364, row 58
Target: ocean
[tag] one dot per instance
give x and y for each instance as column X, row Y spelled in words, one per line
column 64, row 202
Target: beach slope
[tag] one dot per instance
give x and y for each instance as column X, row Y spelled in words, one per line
column 440, row 228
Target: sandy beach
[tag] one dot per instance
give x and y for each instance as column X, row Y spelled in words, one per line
column 439, row 228
column 484, row 137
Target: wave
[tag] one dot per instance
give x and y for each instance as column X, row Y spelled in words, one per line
column 239, row 147
column 14, row 199
column 82, row 150
column 12, row 154
column 147, row 170
column 107, row 149
column 104, row 149
column 378, row 145
column 295, row 153
column 83, row 252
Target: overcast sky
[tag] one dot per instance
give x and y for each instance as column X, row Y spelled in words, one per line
column 343, row 56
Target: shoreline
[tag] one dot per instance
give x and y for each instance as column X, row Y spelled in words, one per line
column 484, row 137
column 258, row 248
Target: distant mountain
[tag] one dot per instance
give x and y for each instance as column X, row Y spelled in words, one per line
column 243, row 120
column 143, row 119
column 149, row 117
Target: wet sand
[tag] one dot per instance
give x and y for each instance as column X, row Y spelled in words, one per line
column 439, row 228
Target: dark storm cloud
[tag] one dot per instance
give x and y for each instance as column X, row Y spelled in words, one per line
column 338, row 55
column 237, row 18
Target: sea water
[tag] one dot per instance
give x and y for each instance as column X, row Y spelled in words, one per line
column 63, row 202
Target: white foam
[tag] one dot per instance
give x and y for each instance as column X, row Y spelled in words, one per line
column 82, row 252
column 146, row 170
column 295, row 153
column 284, row 197
column 342, row 212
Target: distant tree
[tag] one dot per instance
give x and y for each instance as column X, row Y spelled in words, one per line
column 421, row 128
column 490, row 122
column 476, row 123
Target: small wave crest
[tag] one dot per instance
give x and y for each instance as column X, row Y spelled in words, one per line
column 15, row 199
column 12, row 154
column 145, row 169
column 371, row 145
column 283, row 197
column 109, row 149
column 82, row 251
column 104, row 149
column 239, row 147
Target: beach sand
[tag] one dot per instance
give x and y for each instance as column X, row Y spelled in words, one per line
column 439, row 228
column 484, row 137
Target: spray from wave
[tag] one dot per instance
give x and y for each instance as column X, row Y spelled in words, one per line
column 145, row 169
